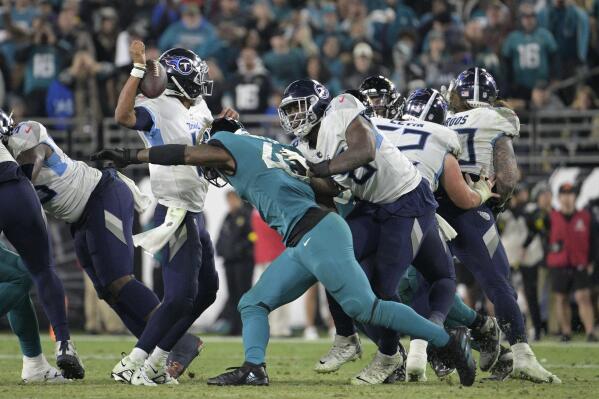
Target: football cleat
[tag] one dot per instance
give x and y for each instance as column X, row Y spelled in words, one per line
column 158, row 373
column 344, row 349
column 458, row 353
column 125, row 368
column 140, row 378
column 183, row 353
column 44, row 373
column 503, row 367
column 247, row 374
column 68, row 360
column 399, row 374
column 441, row 369
column 488, row 336
column 416, row 362
column 380, row 368
column 527, row 367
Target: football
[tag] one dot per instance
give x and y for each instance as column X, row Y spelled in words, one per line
column 154, row 81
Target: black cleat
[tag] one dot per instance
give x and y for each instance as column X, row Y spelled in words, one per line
column 457, row 353
column 399, row 374
column 439, row 367
column 67, row 360
column 487, row 335
column 503, row 367
column 247, row 374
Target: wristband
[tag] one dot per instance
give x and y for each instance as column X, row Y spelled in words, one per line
column 140, row 66
column 138, row 72
column 168, row 154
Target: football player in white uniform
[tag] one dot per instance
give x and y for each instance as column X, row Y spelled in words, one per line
column 178, row 116
column 23, row 222
column 486, row 129
column 395, row 212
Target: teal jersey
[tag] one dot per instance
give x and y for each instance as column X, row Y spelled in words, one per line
column 263, row 178
column 530, row 54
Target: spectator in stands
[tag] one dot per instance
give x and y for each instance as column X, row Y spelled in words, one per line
column 192, row 32
column 402, row 19
column 406, row 68
column 165, row 13
column 435, row 61
column 317, row 70
column 285, row 64
column 537, row 215
column 262, row 24
column 331, row 56
column 570, row 263
column 268, row 245
column 235, row 246
column 363, row 66
column 330, row 28
column 43, row 60
column 105, row 44
column 529, row 54
column 543, row 98
column 498, row 24
column 250, row 86
column 585, row 99
column 569, row 24
column 215, row 101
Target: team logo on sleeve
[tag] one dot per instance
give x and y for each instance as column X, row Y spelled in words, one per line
column 321, row 91
column 183, row 65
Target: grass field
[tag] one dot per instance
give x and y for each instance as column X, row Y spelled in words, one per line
column 290, row 368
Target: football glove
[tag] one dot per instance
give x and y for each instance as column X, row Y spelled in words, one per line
column 120, row 156
column 297, row 164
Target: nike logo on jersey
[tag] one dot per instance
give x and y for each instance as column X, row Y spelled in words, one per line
column 307, row 241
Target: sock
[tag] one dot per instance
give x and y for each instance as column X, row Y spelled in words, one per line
column 510, row 320
column 34, row 361
column 388, row 342
column 138, row 355
column 404, row 319
column 460, row 314
column 344, row 324
column 441, row 297
column 23, row 322
column 158, row 357
column 134, row 304
column 255, row 333
column 521, row 349
column 418, row 347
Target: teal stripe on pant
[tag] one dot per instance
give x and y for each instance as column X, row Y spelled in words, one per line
column 325, row 254
column 15, row 284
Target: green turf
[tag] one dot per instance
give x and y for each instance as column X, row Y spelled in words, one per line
column 290, row 368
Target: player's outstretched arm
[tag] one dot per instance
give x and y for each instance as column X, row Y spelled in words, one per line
column 171, row 154
column 459, row 191
column 361, row 149
column 507, row 174
column 124, row 112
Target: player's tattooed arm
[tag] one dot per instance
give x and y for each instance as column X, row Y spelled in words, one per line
column 32, row 160
column 507, row 173
column 361, row 149
column 124, row 112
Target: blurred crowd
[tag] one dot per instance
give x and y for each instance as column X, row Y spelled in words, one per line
column 65, row 58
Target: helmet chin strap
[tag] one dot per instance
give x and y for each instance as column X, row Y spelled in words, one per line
column 181, row 89
column 428, row 105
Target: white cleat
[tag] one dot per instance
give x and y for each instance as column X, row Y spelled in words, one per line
column 125, row 368
column 381, row 367
column 344, row 349
column 140, row 378
column 527, row 367
column 41, row 372
column 158, row 374
column 416, row 362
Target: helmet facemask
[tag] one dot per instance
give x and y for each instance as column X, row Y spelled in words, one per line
column 297, row 115
column 195, row 88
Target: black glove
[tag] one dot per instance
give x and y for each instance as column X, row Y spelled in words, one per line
column 320, row 169
column 120, row 156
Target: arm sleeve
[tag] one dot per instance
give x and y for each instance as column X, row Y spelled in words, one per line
column 143, row 119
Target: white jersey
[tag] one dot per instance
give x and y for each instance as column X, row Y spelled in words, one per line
column 478, row 129
column 5, row 154
column 63, row 185
column 382, row 181
column 178, row 186
column 424, row 143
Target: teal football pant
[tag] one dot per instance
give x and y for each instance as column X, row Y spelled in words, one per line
column 324, row 254
column 15, row 283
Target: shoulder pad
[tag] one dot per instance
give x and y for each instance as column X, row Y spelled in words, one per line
column 344, row 101
column 26, row 135
column 509, row 121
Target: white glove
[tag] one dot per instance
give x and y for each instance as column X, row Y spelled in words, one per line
column 298, row 166
column 482, row 187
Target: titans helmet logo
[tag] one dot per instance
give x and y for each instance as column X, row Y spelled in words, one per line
column 183, row 65
column 321, row 91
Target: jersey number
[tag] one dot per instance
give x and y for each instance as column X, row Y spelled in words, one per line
column 423, row 136
column 45, row 194
column 469, row 150
column 276, row 160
